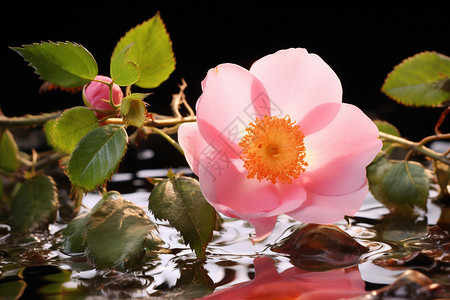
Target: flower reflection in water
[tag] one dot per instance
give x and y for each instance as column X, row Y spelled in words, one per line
column 295, row 283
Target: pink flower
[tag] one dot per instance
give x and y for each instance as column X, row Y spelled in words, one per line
column 96, row 95
column 294, row 283
column 277, row 139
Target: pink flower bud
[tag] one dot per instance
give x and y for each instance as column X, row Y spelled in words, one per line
column 96, row 95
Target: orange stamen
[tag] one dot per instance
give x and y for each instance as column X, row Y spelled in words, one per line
column 273, row 149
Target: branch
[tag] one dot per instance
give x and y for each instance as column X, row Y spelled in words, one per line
column 27, row 120
column 419, row 147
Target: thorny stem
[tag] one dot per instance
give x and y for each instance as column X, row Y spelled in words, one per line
column 168, row 122
column 27, row 120
column 419, row 147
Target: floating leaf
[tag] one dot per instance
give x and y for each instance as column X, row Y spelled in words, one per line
column 397, row 186
column 97, row 156
column 71, row 126
column 73, row 234
column 151, row 51
column 314, row 247
column 34, row 205
column 9, row 161
column 123, row 71
column 180, row 201
column 65, row 64
column 115, row 235
column 133, row 109
column 420, row 80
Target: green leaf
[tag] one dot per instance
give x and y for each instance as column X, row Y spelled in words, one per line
column 34, row 205
column 12, row 289
column 388, row 128
column 71, row 126
column 181, row 202
column 115, row 235
column 123, row 71
column 420, row 80
column 73, row 234
column 398, row 186
column 9, row 161
column 65, row 64
column 97, row 156
column 133, row 109
column 151, row 51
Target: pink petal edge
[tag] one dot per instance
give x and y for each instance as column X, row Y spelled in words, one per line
column 297, row 81
column 325, row 209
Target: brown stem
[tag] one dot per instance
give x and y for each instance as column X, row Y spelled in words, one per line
column 441, row 120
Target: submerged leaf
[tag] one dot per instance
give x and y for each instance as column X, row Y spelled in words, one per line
column 65, row 64
column 314, row 247
column 180, row 201
column 151, row 51
column 420, row 80
column 115, row 235
column 34, row 205
column 97, row 156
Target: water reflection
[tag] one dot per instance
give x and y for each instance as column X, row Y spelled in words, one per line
column 235, row 268
column 294, row 283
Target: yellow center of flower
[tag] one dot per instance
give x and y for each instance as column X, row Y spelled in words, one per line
column 273, row 149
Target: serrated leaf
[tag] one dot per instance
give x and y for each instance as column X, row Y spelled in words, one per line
column 123, row 71
column 34, row 205
column 48, row 128
column 388, row 128
column 133, row 109
column 181, row 202
column 71, row 126
column 9, row 161
column 66, row 64
column 73, row 234
column 115, row 235
column 420, row 80
column 97, row 156
column 398, row 186
column 151, row 51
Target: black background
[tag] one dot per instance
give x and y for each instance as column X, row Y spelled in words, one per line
column 361, row 40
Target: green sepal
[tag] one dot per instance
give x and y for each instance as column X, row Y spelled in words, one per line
column 133, row 109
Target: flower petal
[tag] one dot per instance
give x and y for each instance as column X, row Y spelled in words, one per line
column 325, row 209
column 338, row 155
column 297, row 81
column 232, row 97
column 193, row 145
column 224, row 182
